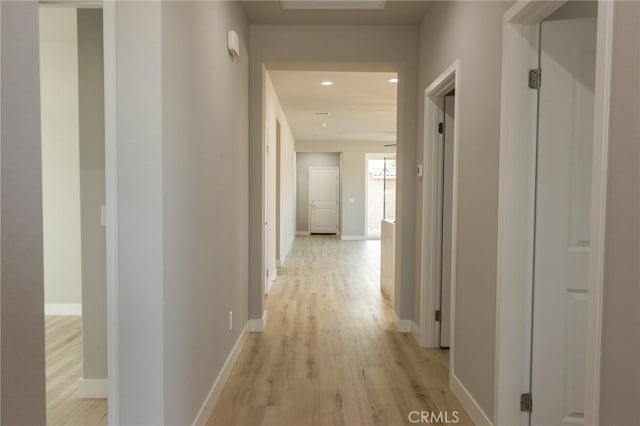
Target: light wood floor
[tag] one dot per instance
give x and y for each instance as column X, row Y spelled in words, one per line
column 330, row 354
column 63, row 350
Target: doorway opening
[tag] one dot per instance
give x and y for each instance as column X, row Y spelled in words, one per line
column 439, row 220
column 319, row 127
column 278, row 190
column 381, row 192
column 74, row 222
column 443, row 315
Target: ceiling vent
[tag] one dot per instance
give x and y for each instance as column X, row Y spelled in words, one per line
column 320, row 116
column 333, row 4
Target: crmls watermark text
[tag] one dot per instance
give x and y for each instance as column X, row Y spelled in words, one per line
column 427, row 417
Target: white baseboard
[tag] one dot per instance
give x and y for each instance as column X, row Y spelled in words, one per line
column 214, row 393
column 416, row 332
column 93, row 388
column 353, row 237
column 303, row 233
column 469, row 404
column 273, row 276
column 63, row 309
column 403, row 326
column 258, row 325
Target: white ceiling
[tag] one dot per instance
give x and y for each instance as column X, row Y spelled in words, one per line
column 394, row 13
column 361, row 105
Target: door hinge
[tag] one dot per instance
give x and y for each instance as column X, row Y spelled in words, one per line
column 441, row 128
column 535, row 78
column 526, row 402
column 438, row 315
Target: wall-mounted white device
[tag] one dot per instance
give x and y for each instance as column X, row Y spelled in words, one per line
column 233, row 43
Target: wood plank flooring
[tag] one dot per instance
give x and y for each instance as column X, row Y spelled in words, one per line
column 330, row 354
column 63, row 360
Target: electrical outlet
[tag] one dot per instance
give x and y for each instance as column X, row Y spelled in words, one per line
column 230, row 320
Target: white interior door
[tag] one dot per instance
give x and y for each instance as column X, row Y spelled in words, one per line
column 447, row 211
column 565, row 139
column 323, row 200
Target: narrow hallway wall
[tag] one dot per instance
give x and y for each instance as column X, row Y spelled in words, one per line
column 205, row 106
column 274, row 114
column 472, row 32
column 22, row 385
column 620, row 373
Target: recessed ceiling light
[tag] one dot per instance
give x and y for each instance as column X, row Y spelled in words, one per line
column 323, row 125
column 327, row 83
column 393, row 80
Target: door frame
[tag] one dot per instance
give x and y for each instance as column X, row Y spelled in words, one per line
column 514, row 287
column 337, row 169
column 368, row 156
column 111, row 206
column 428, row 332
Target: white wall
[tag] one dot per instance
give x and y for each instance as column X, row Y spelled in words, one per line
column 354, row 182
column 140, row 290
column 60, row 155
column 273, row 113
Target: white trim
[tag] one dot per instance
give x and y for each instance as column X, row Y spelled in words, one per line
column 417, row 334
column 517, row 207
column 93, row 388
column 111, row 205
column 303, row 233
column 471, row 406
column 598, row 210
column 432, row 207
column 258, row 325
column 74, row 309
column 216, row 389
column 403, row 326
column 278, row 263
column 372, row 156
column 273, row 276
column 353, row 237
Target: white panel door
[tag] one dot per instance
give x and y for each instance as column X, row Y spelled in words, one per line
column 565, row 139
column 323, row 200
column 447, row 220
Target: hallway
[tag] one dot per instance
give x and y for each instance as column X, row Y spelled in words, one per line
column 330, row 354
